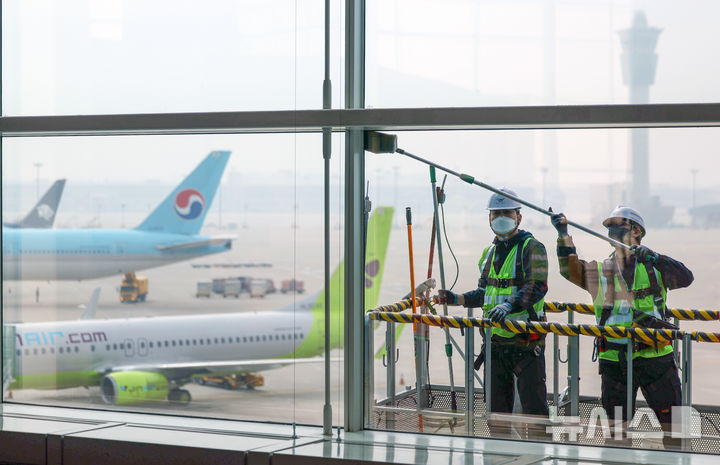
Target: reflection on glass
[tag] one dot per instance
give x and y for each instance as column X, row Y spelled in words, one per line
column 483, row 53
column 191, row 265
column 521, row 271
column 130, row 56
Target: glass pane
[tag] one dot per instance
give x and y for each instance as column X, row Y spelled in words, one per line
column 130, row 56
column 492, row 53
column 585, row 174
column 206, row 294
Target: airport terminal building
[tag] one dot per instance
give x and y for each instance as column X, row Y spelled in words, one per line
column 360, row 231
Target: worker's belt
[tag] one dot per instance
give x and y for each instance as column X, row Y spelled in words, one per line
column 520, row 339
column 604, row 345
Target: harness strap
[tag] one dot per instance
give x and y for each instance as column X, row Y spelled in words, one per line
column 504, row 283
column 609, row 301
column 654, row 290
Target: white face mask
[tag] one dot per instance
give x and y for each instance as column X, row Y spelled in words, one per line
column 502, row 225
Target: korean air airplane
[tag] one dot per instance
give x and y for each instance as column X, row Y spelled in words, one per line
column 43, row 213
column 169, row 234
column 149, row 359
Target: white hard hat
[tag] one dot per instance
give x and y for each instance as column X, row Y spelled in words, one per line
column 500, row 202
column 626, row 213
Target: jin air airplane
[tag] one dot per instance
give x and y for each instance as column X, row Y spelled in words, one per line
column 149, row 359
column 43, row 213
column 169, row 234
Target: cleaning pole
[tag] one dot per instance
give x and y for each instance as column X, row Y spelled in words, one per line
column 436, row 234
column 378, row 142
column 418, row 368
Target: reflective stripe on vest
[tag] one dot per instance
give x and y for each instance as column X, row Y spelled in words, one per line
column 622, row 312
column 498, row 295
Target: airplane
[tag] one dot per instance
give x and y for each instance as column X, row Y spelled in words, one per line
column 169, row 234
column 136, row 360
column 42, row 215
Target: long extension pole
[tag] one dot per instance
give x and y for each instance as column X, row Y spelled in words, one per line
column 471, row 180
column 378, row 142
column 408, row 217
column 436, row 233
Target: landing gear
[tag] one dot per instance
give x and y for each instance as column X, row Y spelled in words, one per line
column 179, row 396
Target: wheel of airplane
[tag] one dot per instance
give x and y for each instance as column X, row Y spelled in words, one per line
column 179, row 396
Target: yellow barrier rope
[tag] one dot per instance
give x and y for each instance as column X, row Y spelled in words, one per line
column 647, row 335
column 679, row 313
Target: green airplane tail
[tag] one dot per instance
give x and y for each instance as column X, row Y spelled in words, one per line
column 378, row 237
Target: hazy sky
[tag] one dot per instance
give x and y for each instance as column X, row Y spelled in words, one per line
column 105, row 56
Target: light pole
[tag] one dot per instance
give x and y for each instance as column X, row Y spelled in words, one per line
column 37, row 166
column 694, row 174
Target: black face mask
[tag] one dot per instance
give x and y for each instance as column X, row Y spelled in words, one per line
column 617, row 232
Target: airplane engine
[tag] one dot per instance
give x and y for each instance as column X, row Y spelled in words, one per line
column 132, row 387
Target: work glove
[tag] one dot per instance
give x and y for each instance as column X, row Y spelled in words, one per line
column 644, row 253
column 560, row 222
column 445, row 297
column 499, row 312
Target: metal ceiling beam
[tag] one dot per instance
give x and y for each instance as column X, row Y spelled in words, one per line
column 529, row 117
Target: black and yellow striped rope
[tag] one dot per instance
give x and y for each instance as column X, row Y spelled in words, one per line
column 679, row 313
column 558, row 307
column 647, row 335
column 399, row 306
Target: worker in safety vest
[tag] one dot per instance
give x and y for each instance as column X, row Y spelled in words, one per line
column 629, row 289
column 512, row 285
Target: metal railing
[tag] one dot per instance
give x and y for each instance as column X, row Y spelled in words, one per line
column 392, row 314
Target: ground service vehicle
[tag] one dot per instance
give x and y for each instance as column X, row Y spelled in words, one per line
column 134, row 288
column 292, row 285
column 258, row 287
column 204, row 289
column 218, row 285
column 233, row 381
column 233, row 287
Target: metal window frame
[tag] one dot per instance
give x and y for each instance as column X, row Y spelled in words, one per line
column 353, row 120
column 389, row 119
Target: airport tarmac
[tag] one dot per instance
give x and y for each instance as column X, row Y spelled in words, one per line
column 297, row 393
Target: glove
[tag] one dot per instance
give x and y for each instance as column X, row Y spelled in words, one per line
column 499, row 312
column 560, row 222
column 447, row 297
column 644, row 253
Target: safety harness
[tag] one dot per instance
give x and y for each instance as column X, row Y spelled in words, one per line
column 654, row 290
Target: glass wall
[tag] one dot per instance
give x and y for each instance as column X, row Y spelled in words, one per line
column 126, row 56
column 207, row 253
column 588, row 174
column 204, row 297
column 470, row 53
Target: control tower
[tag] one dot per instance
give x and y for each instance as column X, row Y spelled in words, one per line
column 638, row 63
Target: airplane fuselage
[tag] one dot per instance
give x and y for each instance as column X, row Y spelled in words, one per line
column 75, row 353
column 78, row 254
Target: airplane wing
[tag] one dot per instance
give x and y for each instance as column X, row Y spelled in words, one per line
column 194, row 244
column 185, row 369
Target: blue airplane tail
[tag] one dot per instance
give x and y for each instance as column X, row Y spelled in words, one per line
column 184, row 210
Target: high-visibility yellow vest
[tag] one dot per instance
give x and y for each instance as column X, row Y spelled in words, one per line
column 622, row 313
column 503, row 284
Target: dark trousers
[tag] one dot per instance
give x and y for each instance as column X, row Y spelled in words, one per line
column 656, row 377
column 528, row 365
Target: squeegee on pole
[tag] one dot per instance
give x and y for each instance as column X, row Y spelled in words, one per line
column 378, row 142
